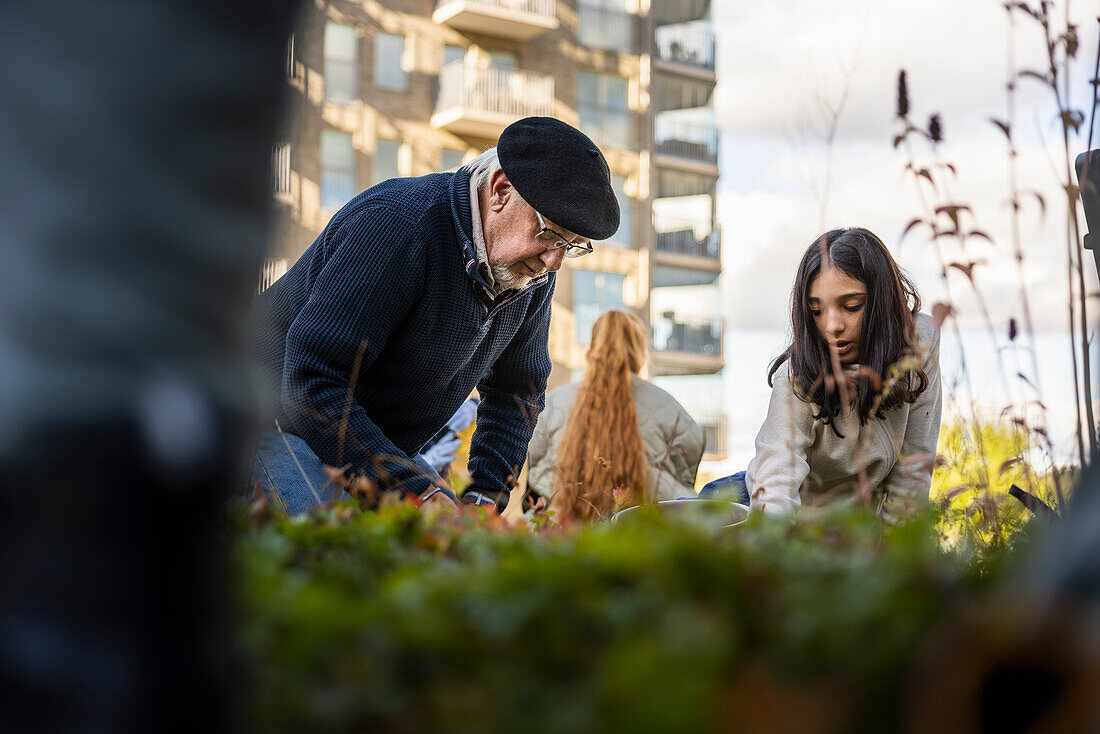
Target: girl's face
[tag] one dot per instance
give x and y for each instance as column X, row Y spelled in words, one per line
column 836, row 303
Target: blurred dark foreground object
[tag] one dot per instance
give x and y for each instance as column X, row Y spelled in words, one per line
column 1088, row 178
column 135, row 143
column 1029, row 661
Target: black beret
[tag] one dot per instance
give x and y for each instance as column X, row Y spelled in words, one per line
column 562, row 174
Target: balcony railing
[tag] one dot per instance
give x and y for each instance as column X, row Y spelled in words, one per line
column 482, row 102
column 686, row 238
column 672, row 333
column 608, row 126
column 692, row 45
column 603, row 28
column 681, row 140
column 518, row 19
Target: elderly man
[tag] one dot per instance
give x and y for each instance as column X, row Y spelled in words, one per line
column 418, row 291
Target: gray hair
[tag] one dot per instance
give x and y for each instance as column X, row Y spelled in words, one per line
column 483, row 167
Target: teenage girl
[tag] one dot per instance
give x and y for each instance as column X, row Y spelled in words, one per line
column 852, row 310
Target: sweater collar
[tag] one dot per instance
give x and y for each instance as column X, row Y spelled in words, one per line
column 462, row 214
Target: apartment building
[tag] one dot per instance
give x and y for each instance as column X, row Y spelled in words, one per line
column 385, row 88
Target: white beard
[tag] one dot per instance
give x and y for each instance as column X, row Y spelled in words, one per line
column 506, row 279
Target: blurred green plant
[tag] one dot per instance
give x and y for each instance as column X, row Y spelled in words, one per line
column 977, row 465
column 391, row 621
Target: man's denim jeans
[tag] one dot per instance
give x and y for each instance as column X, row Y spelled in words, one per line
column 732, row 487
column 294, row 478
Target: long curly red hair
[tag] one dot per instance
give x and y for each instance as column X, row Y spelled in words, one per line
column 601, row 459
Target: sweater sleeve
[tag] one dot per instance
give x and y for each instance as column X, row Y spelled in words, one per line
column 777, row 471
column 512, row 397
column 352, row 309
column 907, row 485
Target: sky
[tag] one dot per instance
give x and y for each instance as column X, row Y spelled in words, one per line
column 782, row 66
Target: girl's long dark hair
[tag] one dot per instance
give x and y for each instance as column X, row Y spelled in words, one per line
column 888, row 334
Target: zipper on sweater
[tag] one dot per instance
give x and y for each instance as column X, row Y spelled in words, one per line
column 497, row 306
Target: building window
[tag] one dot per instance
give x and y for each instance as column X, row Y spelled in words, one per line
column 338, row 183
column 341, row 64
column 290, row 57
column 272, row 270
column 625, row 234
column 605, row 24
column 453, row 53
column 280, row 168
column 452, row 159
column 604, row 109
column 388, row 50
column 386, row 160
column 502, row 60
column 594, row 293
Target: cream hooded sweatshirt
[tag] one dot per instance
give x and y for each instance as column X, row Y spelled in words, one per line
column 800, row 461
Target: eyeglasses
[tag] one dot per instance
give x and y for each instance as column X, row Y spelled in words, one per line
column 557, row 240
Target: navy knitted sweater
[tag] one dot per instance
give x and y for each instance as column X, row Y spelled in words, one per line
column 383, row 327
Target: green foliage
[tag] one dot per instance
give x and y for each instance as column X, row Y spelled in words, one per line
column 978, row 465
column 392, row 622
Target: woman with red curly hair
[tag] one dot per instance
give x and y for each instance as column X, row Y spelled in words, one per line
column 613, row 440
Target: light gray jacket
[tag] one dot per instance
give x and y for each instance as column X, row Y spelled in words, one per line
column 673, row 441
column 800, row 461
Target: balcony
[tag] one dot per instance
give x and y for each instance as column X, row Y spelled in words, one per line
column 696, row 143
column 480, row 103
column 687, row 346
column 673, row 333
column 686, row 44
column 685, row 241
column 603, row 28
column 519, row 20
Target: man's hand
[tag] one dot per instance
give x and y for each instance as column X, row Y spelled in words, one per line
column 435, row 500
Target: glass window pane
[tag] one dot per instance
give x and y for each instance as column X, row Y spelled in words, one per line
column 388, row 50
column 593, row 293
column 338, row 183
column 340, row 42
column 604, row 110
column 502, row 60
column 605, row 24
column 341, row 63
column 451, row 159
column 588, row 88
column 386, row 160
column 625, row 235
column 453, row 53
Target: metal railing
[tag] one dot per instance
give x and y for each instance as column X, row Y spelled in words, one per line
column 608, row 126
column 690, row 44
column 682, row 140
column 280, row 168
column 604, row 28
column 289, row 59
column 272, row 270
column 685, row 237
column 672, row 333
column 535, row 7
column 504, row 91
